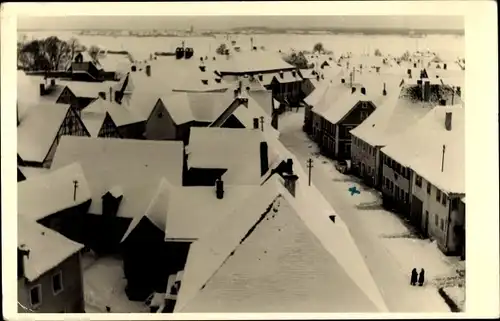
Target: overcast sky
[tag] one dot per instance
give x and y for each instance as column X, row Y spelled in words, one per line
column 226, row 22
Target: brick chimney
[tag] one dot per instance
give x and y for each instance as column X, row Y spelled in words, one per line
column 255, row 123
column 133, row 68
column 148, row 70
column 353, row 90
column 289, row 177
column 219, row 189
column 102, row 94
column 363, row 90
column 42, row 89
column 111, row 94
column 409, row 73
column 445, row 66
column 281, row 75
column 342, row 81
column 294, row 73
column 264, row 158
column 448, row 120
column 52, row 82
column 261, row 77
column 427, row 90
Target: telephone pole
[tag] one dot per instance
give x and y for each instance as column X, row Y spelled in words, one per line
column 310, row 166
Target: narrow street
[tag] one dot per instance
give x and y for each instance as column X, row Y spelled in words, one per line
column 389, row 249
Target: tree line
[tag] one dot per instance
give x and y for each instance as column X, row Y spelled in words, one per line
column 51, row 53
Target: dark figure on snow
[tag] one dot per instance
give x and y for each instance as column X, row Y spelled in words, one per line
column 414, row 274
column 421, row 277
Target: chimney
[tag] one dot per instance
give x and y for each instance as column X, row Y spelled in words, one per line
column 102, row 94
column 445, row 66
column 247, row 88
column 261, row 77
column 342, row 81
column 290, row 182
column 240, row 85
column 148, row 70
column 264, row 158
column 218, row 80
column 42, row 89
column 377, row 69
column 289, row 166
column 20, row 261
column 133, row 68
column 384, row 92
column 204, row 81
column 353, row 89
column 281, row 74
column 111, row 94
column 202, row 68
column 294, row 73
column 442, row 102
column 415, row 65
column 255, row 123
column 213, row 58
column 52, row 82
column 363, row 90
column 219, row 189
column 459, row 91
column 236, row 93
column 427, row 90
column 447, row 122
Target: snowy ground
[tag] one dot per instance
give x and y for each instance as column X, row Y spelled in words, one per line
column 104, row 285
column 388, row 245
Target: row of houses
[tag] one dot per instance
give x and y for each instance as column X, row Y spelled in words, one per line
column 127, row 197
column 403, row 135
column 181, row 183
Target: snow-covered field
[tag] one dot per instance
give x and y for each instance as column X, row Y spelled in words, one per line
column 104, row 285
column 389, row 248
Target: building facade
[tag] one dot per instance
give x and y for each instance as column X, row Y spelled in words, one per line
column 59, row 290
column 396, row 185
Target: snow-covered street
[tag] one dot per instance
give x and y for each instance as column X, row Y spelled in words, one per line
column 387, row 244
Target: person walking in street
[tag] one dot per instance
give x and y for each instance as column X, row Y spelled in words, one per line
column 421, row 277
column 414, row 274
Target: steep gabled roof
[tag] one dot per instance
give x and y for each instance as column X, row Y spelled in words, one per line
column 46, row 248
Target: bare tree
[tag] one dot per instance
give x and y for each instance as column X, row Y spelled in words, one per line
column 93, row 52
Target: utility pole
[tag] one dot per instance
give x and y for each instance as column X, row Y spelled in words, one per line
column 442, row 159
column 452, row 95
column 75, row 186
column 262, row 123
column 310, row 166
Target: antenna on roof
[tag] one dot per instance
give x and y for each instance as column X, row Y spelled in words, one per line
column 442, row 158
column 75, row 186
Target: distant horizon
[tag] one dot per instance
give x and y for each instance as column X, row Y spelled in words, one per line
column 220, row 23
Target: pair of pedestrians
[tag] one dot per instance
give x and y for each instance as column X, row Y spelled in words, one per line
column 417, row 277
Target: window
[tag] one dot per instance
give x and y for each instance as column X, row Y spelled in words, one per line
column 160, row 115
column 392, row 186
column 444, row 199
column 442, row 225
column 428, row 188
column 418, row 181
column 436, row 219
column 36, row 295
column 57, row 283
column 402, row 194
column 407, row 198
column 438, row 195
column 397, row 192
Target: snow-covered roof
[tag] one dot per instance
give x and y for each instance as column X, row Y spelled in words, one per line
column 288, row 77
column 120, row 114
column 420, row 147
column 135, row 165
column 253, row 245
column 252, row 61
column 140, row 104
column 194, row 210
column 156, row 211
column 47, row 248
column 28, row 88
column 46, row 194
column 264, row 99
column 237, row 150
column 29, row 172
column 246, row 115
column 251, row 82
column 93, row 122
column 343, row 105
column 38, row 130
column 88, row 89
column 184, row 107
column 392, row 117
column 116, row 63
